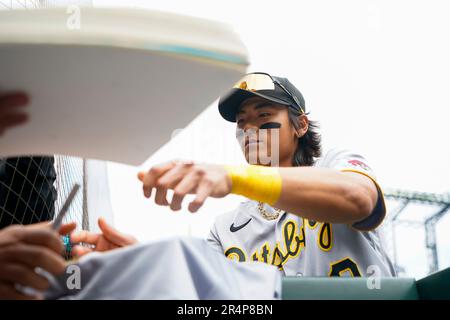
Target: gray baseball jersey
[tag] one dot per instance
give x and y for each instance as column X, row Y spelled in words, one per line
column 301, row 247
column 174, row 268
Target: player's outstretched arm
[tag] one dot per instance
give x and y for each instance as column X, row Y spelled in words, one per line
column 327, row 195
column 318, row 194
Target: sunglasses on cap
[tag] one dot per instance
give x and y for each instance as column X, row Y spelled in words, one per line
column 263, row 81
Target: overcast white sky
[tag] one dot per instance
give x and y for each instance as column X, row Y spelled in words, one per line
column 376, row 74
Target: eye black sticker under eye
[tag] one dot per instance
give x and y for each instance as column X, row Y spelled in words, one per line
column 271, row 125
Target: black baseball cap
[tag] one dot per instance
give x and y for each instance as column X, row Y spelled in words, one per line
column 259, row 84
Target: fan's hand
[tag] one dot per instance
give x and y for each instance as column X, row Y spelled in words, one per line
column 11, row 113
column 25, row 248
column 109, row 239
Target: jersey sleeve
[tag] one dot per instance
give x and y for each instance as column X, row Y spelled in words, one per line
column 213, row 239
column 348, row 161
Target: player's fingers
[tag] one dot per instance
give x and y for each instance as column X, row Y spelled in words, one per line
column 161, row 197
column 169, row 180
column 150, row 178
column 114, row 235
column 203, row 191
column 189, row 183
column 79, row 251
column 172, row 177
column 85, row 236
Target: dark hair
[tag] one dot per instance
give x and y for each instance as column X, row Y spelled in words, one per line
column 309, row 145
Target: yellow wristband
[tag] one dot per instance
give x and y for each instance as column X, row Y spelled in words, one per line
column 256, row 182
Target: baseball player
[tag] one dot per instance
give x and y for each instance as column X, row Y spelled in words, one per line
column 307, row 214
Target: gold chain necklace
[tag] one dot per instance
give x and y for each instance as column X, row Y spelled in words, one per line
column 266, row 215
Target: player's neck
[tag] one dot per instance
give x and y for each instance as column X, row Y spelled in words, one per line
column 286, row 163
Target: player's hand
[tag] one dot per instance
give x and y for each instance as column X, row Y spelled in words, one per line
column 109, row 239
column 24, row 248
column 11, row 110
column 185, row 177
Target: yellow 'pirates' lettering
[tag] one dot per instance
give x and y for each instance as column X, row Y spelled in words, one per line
column 293, row 241
column 310, row 223
column 256, row 257
column 346, row 265
column 278, row 257
column 235, row 253
column 265, row 252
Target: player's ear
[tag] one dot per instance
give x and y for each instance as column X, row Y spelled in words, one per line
column 303, row 125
